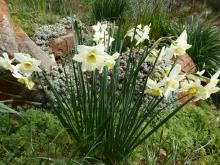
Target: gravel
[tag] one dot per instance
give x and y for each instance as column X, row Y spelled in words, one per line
column 46, row 32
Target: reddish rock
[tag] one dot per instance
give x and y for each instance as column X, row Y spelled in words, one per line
column 7, row 36
column 62, row 44
column 188, row 66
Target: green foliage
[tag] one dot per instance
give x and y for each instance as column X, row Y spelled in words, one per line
column 39, row 135
column 108, row 9
column 191, row 136
column 205, row 51
column 30, row 13
column 28, row 20
column 157, row 15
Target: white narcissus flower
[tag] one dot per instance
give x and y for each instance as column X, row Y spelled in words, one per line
column 52, row 57
column 200, row 73
column 212, row 85
column 27, row 65
column 154, row 88
column 145, row 35
column 195, row 89
column 171, row 82
column 24, row 80
column 103, row 38
column 141, row 34
column 101, row 35
column 5, row 62
column 165, row 71
column 110, row 62
column 100, row 27
column 97, row 27
column 214, row 79
column 180, row 46
column 91, row 57
column 153, row 55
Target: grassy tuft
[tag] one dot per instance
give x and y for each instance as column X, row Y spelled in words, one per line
column 108, row 9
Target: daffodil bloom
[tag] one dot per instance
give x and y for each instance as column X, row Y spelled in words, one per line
column 100, row 27
column 91, row 57
column 52, row 57
column 161, row 72
column 171, row 82
column 140, row 34
column 180, row 46
column 5, row 62
column 103, row 38
column 165, row 71
column 154, row 54
column 195, row 89
column 200, row 73
column 212, row 85
column 24, row 80
column 27, row 65
column 110, row 62
column 154, row 88
column 214, row 79
column 144, row 36
column 101, row 35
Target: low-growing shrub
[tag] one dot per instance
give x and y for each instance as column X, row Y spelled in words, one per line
column 27, row 140
column 192, row 136
column 205, row 51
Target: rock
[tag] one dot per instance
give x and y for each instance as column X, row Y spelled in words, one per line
column 188, row 66
column 62, row 44
column 56, row 38
column 7, row 35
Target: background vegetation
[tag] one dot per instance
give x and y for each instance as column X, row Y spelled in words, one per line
column 191, row 136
